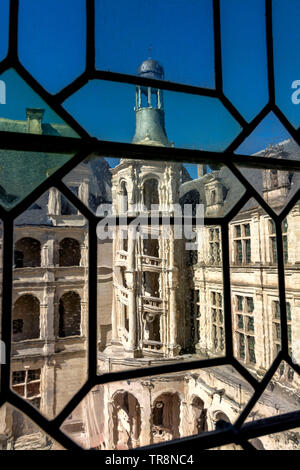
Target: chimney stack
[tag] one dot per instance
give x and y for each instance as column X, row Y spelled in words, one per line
column 34, row 118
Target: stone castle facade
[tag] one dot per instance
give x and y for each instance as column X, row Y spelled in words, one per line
column 157, row 301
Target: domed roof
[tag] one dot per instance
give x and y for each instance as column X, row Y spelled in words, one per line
column 151, row 69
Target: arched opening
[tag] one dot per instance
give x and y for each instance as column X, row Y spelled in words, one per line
column 26, row 318
column 123, row 198
column 166, row 417
column 199, row 415
column 126, row 421
column 151, row 247
column 150, row 193
column 151, row 284
column 69, row 315
column 27, row 253
column 69, row 252
column 221, row 420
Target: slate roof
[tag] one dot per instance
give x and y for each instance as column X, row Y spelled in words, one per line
column 289, row 149
column 13, row 125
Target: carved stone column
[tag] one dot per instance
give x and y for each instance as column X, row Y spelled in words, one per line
column 47, row 313
column 146, row 414
column 132, row 303
column 174, row 348
column 48, row 389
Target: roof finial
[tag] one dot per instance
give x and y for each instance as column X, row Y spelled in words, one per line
column 150, row 51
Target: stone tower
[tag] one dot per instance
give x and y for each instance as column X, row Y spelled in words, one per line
column 147, row 261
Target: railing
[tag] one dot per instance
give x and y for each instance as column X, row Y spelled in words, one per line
column 151, row 261
column 121, row 258
column 152, row 304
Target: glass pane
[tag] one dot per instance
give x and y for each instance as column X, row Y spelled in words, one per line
column 244, row 57
column 4, row 20
column 286, row 25
column 270, row 132
column 18, row 432
column 26, row 112
column 254, row 290
column 50, row 299
column 53, row 53
column 270, row 139
column 21, row 172
column 128, row 414
column 106, row 110
column 292, row 281
column 138, row 318
column 173, row 32
column 281, row 396
column 288, row 440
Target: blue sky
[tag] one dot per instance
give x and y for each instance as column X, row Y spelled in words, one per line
column 52, row 48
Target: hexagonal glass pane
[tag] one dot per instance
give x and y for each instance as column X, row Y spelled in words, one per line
column 160, row 296
column 254, row 287
column 291, row 246
column 21, row 172
column 281, row 396
column 271, row 140
column 171, row 32
column 2, row 344
column 53, row 53
column 133, row 413
column 288, row 440
column 50, row 295
column 244, row 55
column 25, row 111
column 18, row 432
column 105, row 110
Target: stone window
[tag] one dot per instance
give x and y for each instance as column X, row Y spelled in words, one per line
column 26, row 318
column 218, row 337
column 150, row 193
column 284, row 370
column 151, row 247
column 272, row 238
column 213, row 197
column 242, row 243
column 69, row 252
column 245, row 328
column 27, row 384
column 214, row 246
column 27, row 253
column 123, row 198
column 69, row 315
